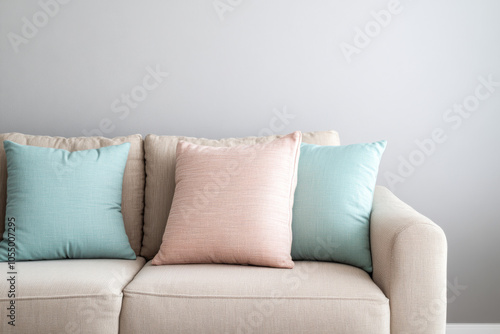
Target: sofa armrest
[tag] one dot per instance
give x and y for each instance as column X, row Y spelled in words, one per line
column 409, row 255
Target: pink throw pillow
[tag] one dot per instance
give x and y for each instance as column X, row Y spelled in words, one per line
column 233, row 204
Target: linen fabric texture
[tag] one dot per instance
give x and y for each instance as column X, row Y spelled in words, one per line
column 63, row 204
column 133, row 176
column 233, row 204
column 333, row 202
column 68, row 296
column 313, row 297
column 160, row 156
column 409, row 263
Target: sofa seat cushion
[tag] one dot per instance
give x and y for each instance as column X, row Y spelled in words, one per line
column 314, row 297
column 67, row 296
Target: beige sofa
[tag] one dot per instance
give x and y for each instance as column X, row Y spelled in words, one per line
column 405, row 294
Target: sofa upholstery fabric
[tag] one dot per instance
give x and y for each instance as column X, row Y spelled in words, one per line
column 409, row 254
column 68, row 296
column 405, row 294
column 211, row 298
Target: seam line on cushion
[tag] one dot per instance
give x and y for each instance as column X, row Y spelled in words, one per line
column 249, row 297
column 65, row 297
column 138, row 271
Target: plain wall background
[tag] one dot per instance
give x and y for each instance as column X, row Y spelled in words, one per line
column 230, row 74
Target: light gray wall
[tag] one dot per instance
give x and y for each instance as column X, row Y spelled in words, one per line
column 232, row 69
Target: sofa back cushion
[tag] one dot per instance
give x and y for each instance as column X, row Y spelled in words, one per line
column 133, row 178
column 160, row 155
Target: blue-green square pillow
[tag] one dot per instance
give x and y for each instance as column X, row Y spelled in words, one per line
column 333, row 202
column 63, row 204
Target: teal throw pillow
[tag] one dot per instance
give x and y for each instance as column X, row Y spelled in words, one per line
column 63, row 204
column 333, row 202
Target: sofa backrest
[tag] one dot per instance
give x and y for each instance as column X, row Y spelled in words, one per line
column 160, row 177
column 133, row 178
